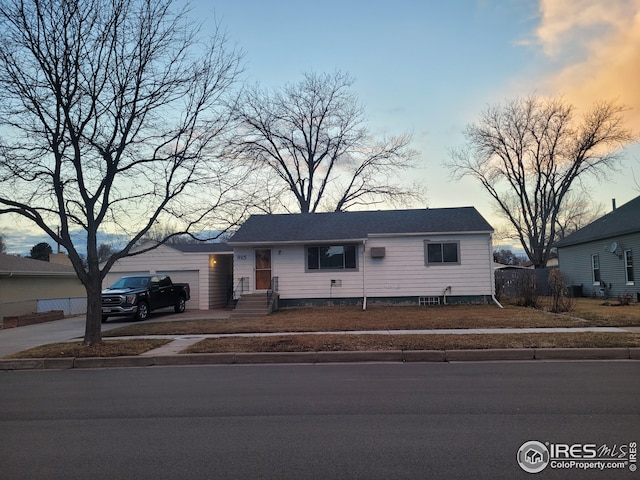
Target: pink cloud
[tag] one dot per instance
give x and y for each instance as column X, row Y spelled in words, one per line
column 598, row 42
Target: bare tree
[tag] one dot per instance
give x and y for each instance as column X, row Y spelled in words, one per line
column 3, row 247
column 312, row 135
column 529, row 153
column 104, row 252
column 110, row 110
column 162, row 233
column 577, row 212
column 507, row 257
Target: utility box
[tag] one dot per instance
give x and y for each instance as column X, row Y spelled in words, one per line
column 378, row 252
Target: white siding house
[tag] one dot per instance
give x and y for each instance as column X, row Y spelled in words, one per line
column 411, row 256
column 599, row 258
column 207, row 268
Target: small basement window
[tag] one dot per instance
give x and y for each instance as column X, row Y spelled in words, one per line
column 425, row 301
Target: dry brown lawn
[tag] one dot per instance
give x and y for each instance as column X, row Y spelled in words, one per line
column 587, row 312
column 113, row 348
column 607, row 312
column 342, row 342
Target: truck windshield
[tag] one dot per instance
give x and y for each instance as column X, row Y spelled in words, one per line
column 131, row 282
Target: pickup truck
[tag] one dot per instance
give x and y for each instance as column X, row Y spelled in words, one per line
column 139, row 295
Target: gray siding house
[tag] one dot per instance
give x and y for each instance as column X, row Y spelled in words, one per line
column 426, row 256
column 600, row 256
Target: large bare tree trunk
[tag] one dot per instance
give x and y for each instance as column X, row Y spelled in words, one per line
column 93, row 326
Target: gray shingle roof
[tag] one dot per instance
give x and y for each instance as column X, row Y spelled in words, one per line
column 622, row 221
column 11, row 263
column 320, row 227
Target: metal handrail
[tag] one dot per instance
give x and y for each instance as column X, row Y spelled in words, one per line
column 239, row 289
column 272, row 290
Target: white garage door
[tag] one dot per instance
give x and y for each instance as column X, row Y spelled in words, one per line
column 187, row 276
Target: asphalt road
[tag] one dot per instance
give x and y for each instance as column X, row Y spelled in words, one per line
column 368, row 421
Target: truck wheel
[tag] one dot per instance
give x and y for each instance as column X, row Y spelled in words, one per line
column 180, row 306
column 143, row 311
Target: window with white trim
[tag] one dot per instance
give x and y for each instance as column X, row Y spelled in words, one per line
column 441, row 253
column 628, row 267
column 332, row 257
column 595, row 268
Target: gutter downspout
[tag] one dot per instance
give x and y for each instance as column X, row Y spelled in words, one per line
column 492, row 273
column 364, row 277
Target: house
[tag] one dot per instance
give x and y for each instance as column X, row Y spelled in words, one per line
column 28, row 285
column 598, row 259
column 425, row 256
column 206, row 267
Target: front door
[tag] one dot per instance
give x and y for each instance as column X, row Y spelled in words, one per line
column 263, row 269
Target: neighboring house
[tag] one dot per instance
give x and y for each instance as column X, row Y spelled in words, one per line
column 207, row 267
column 25, row 281
column 599, row 257
column 414, row 256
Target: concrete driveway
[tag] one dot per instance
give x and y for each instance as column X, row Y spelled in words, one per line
column 13, row 340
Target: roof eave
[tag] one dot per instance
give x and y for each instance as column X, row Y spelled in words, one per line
column 423, row 234
column 359, row 239
column 26, row 273
column 212, row 252
column 561, row 244
column 295, row 242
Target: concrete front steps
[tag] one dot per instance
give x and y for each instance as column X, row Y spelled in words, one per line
column 253, row 305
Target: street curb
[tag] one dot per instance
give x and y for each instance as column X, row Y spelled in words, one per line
column 195, row 359
column 37, row 364
column 102, row 362
column 582, row 353
column 366, row 356
column 424, row 356
column 275, row 357
column 389, row 356
column 489, row 354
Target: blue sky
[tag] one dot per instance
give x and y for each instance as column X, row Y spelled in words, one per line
column 430, row 67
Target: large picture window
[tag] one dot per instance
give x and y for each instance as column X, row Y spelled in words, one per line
column 628, row 267
column 437, row 253
column 331, row 257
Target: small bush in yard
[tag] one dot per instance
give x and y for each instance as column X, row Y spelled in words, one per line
column 625, row 299
column 557, row 288
column 526, row 290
